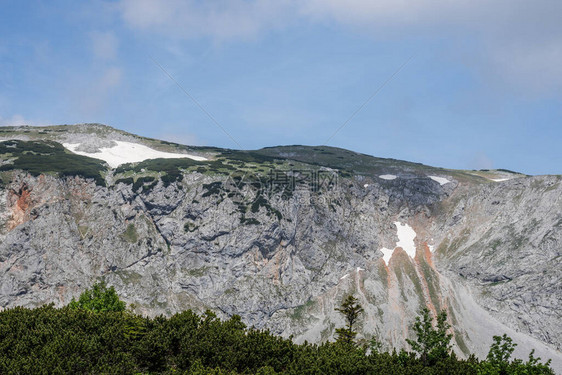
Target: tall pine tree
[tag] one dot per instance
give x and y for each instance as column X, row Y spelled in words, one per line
column 350, row 309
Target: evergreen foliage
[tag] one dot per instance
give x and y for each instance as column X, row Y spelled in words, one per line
column 97, row 336
column 432, row 343
column 498, row 360
column 39, row 157
column 501, row 350
column 350, row 309
column 98, row 298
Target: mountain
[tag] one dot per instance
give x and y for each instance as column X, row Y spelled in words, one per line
column 281, row 235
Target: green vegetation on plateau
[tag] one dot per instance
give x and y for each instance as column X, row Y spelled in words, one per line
column 97, row 335
column 38, row 157
column 41, row 153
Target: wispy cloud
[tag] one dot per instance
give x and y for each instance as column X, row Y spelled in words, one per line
column 536, row 67
column 110, row 78
column 94, row 95
column 480, row 161
column 104, row 45
column 17, row 120
column 517, row 41
column 222, row 20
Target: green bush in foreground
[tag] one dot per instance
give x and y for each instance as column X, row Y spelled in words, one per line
column 432, row 343
column 97, row 336
column 99, row 298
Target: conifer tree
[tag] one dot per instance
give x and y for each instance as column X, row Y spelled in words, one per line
column 350, row 309
column 432, row 343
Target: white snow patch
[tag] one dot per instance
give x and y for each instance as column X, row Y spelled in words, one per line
column 406, row 235
column 128, row 152
column 344, row 276
column 431, row 248
column 441, row 180
column 366, row 185
column 387, row 254
column 388, row 176
column 360, row 269
column 499, row 179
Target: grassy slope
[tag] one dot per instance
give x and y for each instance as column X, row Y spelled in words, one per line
column 362, row 164
column 60, row 132
column 37, row 157
column 223, row 161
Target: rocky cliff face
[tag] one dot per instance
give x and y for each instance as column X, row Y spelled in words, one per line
column 284, row 255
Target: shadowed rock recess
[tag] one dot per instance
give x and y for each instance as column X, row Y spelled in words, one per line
column 281, row 235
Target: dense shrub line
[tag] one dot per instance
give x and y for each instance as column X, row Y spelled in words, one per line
column 72, row 340
column 39, row 157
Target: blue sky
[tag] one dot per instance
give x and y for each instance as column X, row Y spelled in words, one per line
column 483, row 88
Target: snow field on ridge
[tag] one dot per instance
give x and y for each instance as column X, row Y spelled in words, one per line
column 128, row 152
column 441, row 180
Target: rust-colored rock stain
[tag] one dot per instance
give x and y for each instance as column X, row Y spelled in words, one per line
column 19, row 202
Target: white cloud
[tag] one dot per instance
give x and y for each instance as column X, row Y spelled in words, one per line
column 381, row 13
column 535, row 67
column 93, row 96
column 110, row 79
column 92, row 93
column 514, row 41
column 481, row 161
column 226, row 19
column 104, row 45
column 16, row 120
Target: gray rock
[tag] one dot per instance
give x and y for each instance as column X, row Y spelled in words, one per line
column 496, row 267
